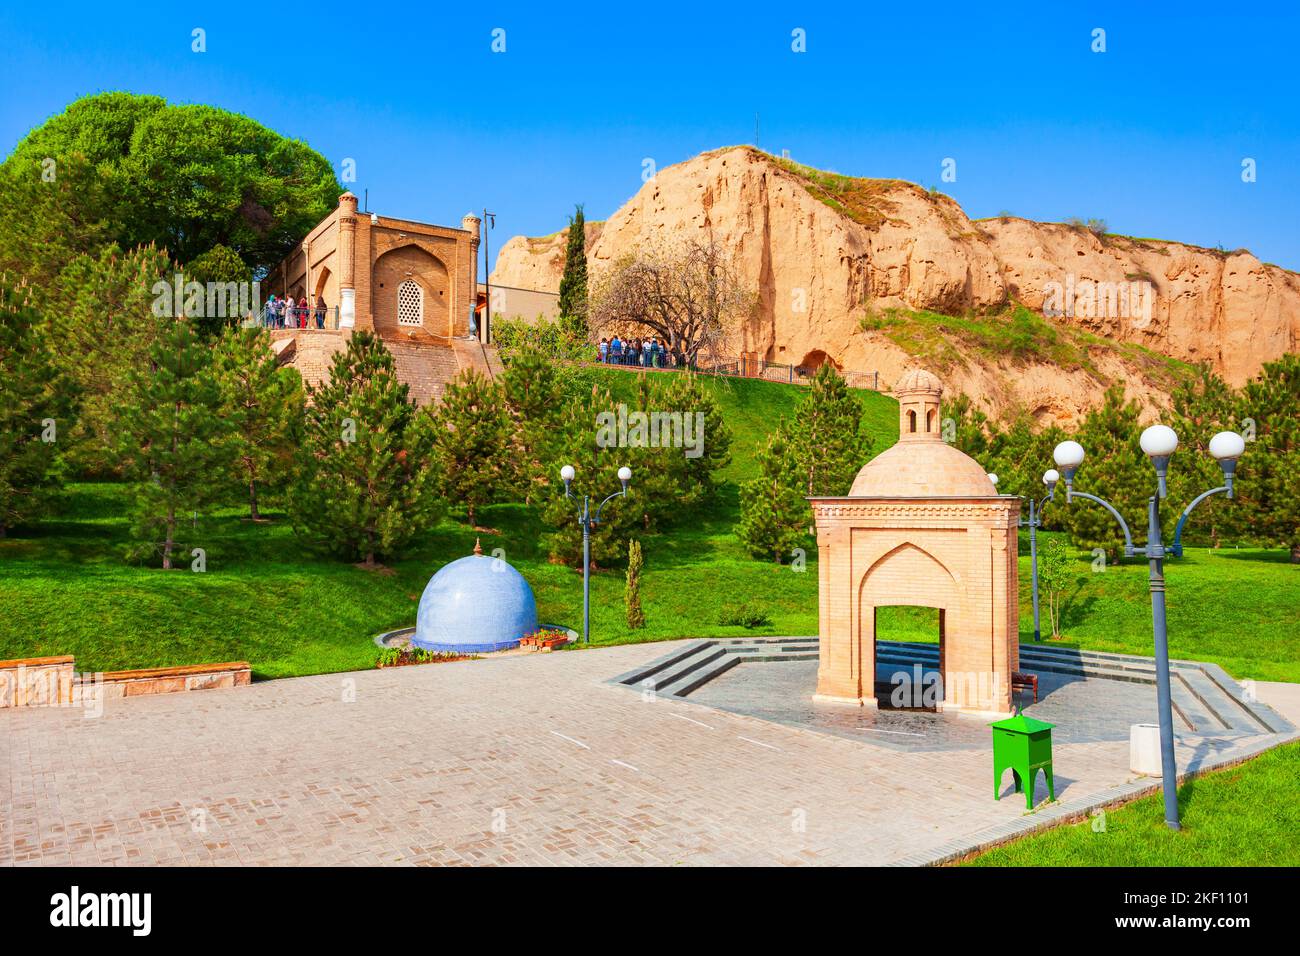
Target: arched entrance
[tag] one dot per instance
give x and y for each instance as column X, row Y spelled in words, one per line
column 908, row 576
column 411, row 290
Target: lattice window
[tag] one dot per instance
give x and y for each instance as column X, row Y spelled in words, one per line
column 410, row 303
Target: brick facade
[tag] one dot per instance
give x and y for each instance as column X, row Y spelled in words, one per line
column 358, row 262
column 922, row 526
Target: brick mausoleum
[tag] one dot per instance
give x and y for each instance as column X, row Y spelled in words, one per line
column 922, row 526
column 412, row 283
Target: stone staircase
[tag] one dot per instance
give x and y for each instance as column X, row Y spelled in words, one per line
column 1206, row 700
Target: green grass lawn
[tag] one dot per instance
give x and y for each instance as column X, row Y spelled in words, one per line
column 65, row 589
column 1241, row 816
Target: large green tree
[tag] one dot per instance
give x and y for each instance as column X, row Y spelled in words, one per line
column 104, row 334
column 140, row 170
column 534, row 401
column 366, row 485
column 827, row 437
column 262, row 408
column 1270, row 468
column 774, row 516
column 36, row 404
column 1115, row 469
column 169, row 436
column 470, row 444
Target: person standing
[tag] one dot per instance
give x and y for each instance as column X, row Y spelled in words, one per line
column 616, row 350
column 320, row 312
column 602, row 351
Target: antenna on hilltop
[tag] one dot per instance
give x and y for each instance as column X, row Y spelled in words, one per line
column 756, row 131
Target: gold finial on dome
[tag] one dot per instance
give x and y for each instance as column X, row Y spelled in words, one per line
column 478, row 548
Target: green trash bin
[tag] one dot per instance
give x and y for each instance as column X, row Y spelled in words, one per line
column 1022, row 745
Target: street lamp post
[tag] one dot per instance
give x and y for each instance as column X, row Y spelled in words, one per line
column 1033, row 523
column 1159, row 442
column 587, row 520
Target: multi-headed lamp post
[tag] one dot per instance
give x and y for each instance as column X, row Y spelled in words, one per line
column 589, row 521
column 1159, row 442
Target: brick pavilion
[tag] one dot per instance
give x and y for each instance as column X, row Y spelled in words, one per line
column 924, row 526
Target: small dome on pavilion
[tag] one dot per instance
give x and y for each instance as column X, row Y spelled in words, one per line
column 475, row 605
column 922, row 469
column 918, row 380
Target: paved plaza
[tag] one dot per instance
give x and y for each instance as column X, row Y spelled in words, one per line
column 516, row 760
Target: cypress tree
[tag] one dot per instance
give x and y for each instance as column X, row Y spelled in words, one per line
column 573, row 284
column 632, row 591
column 262, row 405
column 169, row 437
column 366, row 486
column 36, row 405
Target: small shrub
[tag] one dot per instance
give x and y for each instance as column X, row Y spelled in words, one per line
column 743, row 615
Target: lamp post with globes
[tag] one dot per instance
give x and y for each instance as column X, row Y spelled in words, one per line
column 588, row 521
column 1159, row 443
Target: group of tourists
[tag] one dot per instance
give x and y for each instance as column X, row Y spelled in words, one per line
column 647, row 353
column 282, row 312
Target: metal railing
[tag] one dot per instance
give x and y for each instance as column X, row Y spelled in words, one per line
column 736, row 368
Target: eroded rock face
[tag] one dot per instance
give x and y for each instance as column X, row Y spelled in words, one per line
column 817, row 270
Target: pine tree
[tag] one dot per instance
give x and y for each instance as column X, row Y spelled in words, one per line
column 262, row 405
column 773, row 512
column 169, row 438
column 826, row 436
column 105, row 332
column 1270, row 468
column 573, row 284
column 470, row 442
column 1203, row 406
column 632, row 592
column 578, row 443
column 36, row 406
column 1115, row 469
column 534, row 402
column 366, row 484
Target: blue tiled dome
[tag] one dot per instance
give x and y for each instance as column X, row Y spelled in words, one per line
column 474, row 605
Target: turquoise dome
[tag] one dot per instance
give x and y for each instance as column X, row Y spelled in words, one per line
column 475, row 605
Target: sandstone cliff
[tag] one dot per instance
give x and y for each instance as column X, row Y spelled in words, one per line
column 865, row 271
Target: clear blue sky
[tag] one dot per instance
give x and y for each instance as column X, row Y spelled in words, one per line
column 1149, row 135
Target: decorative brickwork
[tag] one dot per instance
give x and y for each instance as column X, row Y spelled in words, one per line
column 413, row 283
column 921, row 526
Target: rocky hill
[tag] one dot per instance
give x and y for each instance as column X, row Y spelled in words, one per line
column 874, row 274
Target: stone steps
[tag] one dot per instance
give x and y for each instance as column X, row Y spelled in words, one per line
column 1204, row 699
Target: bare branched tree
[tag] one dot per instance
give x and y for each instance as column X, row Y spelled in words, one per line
column 689, row 294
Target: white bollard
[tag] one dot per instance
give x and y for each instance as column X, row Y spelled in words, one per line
column 1144, row 749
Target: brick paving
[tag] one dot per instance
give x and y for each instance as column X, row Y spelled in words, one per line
column 520, row 760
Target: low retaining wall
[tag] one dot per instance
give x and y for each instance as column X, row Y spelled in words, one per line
column 54, row 682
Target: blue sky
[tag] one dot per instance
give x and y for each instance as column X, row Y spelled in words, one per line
column 1149, row 135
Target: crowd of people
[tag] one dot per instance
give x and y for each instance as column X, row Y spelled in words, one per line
column 282, row 312
column 647, row 353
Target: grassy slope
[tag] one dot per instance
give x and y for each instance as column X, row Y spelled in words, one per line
column 1242, row 816
column 64, row 588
